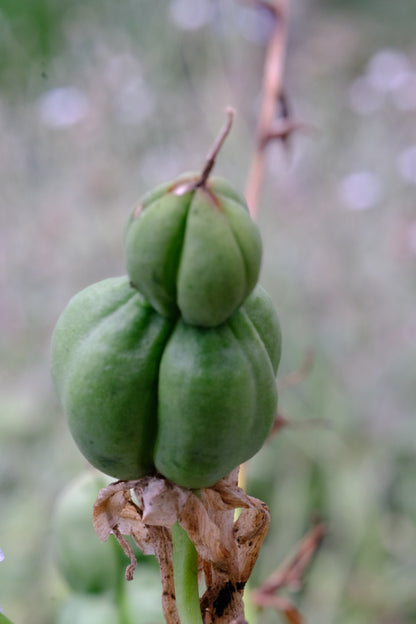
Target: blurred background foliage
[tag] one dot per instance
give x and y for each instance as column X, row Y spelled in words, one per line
column 99, row 101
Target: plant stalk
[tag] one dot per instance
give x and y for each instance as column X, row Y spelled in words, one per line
column 185, row 573
column 213, row 153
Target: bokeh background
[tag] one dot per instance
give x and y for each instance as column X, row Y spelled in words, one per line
column 101, row 100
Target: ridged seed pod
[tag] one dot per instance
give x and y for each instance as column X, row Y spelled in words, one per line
column 193, row 251
column 144, row 393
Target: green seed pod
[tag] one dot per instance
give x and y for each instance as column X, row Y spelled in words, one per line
column 87, row 565
column 106, row 350
column 144, row 393
column 193, row 250
column 217, row 397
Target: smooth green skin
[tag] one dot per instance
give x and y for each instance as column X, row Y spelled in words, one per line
column 260, row 309
column 185, row 574
column 217, row 398
column 196, row 252
column 142, row 392
column 89, row 610
column 87, row 565
column 106, row 350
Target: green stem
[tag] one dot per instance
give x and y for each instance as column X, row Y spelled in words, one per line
column 251, row 611
column 121, row 596
column 185, row 574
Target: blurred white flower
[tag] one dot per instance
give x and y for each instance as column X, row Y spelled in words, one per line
column 121, row 68
column 1, row 555
column 404, row 96
column 63, row 107
column 388, row 70
column 406, row 164
column 364, row 98
column 190, row 14
column 360, row 190
column 134, row 102
column 255, row 24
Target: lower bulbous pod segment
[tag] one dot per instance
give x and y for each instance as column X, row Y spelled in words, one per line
column 143, row 393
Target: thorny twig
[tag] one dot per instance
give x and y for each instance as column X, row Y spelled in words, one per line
column 290, row 575
column 281, row 422
column 288, row 381
column 290, row 572
column 275, row 120
column 295, row 377
column 272, row 93
column 272, row 90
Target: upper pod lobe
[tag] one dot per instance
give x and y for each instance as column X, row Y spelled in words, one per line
column 193, row 251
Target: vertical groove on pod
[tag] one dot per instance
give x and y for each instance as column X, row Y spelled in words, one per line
column 180, row 246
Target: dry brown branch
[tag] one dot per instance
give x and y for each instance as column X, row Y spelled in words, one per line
column 281, row 422
column 295, row 377
column 276, row 122
column 272, row 92
column 289, row 575
column 290, row 572
column 283, row 128
column 284, row 606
